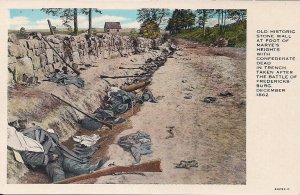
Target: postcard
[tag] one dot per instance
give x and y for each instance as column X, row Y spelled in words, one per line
column 148, row 97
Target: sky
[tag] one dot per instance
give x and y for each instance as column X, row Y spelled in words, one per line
column 36, row 19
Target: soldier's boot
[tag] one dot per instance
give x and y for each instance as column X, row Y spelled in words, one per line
column 55, row 171
column 101, row 163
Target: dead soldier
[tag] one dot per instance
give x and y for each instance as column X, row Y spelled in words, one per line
column 57, row 159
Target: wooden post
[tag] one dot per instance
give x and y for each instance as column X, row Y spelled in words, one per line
column 50, row 26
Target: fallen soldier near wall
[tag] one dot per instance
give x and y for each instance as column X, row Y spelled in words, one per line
column 58, row 161
column 118, row 102
column 62, row 78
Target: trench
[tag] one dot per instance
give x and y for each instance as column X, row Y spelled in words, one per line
column 37, row 105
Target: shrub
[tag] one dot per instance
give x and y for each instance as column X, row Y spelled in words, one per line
column 133, row 33
column 150, row 29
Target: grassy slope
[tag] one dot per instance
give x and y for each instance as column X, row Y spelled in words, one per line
column 235, row 34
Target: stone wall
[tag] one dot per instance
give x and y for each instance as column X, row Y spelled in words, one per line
column 31, row 59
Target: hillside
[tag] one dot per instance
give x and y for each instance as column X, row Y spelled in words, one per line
column 234, row 33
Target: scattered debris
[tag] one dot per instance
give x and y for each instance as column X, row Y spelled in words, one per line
column 187, row 164
column 188, row 96
column 189, row 88
column 236, row 85
column 210, row 99
column 111, row 164
column 87, row 140
column 64, row 79
column 138, row 144
column 242, row 103
column 171, row 132
column 147, row 97
column 160, row 97
column 226, row 94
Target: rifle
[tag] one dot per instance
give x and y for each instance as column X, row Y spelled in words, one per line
column 152, row 166
column 91, row 117
column 120, row 77
column 39, row 36
column 130, row 68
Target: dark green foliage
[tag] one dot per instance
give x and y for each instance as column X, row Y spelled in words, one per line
column 203, row 16
column 182, row 24
column 182, row 19
column 133, row 33
column 150, row 29
column 235, row 34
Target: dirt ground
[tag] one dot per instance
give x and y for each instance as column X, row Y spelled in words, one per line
column 214, row 133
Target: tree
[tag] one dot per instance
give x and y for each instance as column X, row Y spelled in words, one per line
column 181, row 19
column 238, row 15
column 204, row 15
column 133, row 33
column 22, row 30
column 67, row 15
column 223, row 19
column 150, row 29
column 171, row 27
column 218, row 12
column 88, row 11
column 190, row 19
column 151, row 14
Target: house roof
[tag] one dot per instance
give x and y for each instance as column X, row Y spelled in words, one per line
column 112, row 25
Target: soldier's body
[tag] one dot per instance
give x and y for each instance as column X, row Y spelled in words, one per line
column 56, row 159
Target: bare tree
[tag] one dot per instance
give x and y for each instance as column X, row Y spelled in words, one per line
column 89, row 11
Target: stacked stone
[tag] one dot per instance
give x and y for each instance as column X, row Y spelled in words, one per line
column 22, row 57
column 35, row 58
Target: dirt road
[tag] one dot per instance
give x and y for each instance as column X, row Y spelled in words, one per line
column 214, row 133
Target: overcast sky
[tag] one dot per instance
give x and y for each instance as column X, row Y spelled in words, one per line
column 36, row 19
